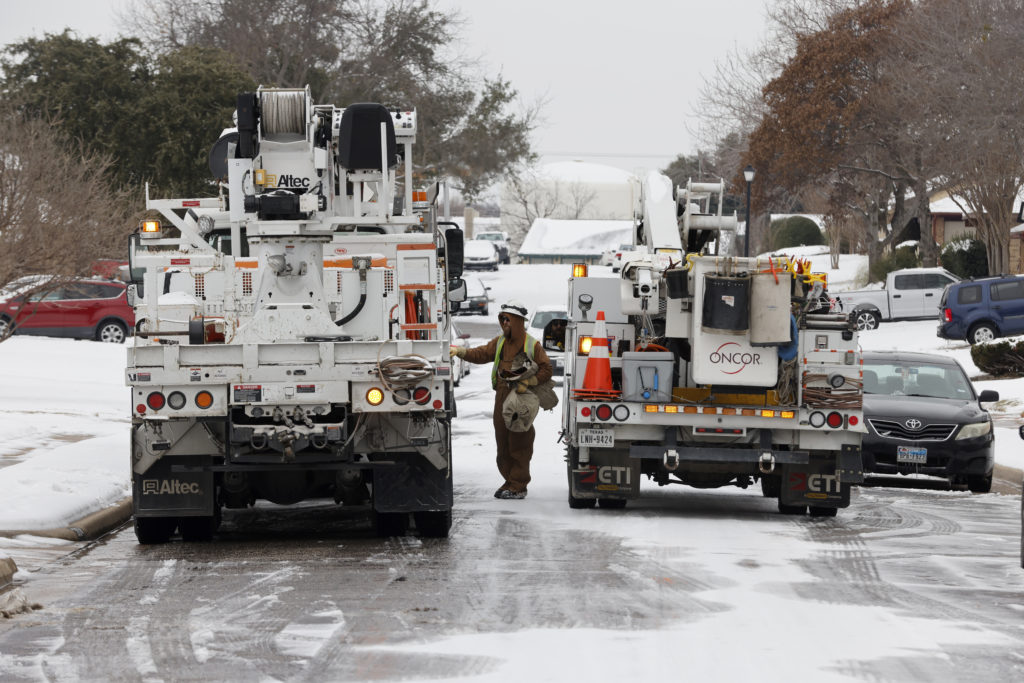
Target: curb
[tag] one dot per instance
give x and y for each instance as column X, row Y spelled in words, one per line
column 85, row 529
column 7, row 570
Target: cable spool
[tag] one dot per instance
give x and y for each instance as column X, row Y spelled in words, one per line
column 283, row 112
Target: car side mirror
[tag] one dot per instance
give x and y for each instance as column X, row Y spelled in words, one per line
column 457, row 290
column 553, row 336
column 454, row 250
column 988, row 396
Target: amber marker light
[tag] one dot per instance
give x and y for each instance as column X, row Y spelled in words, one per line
column 585, row 344
column 204, row 399
column 374, row 396
column 650, row 408
column 671, row 409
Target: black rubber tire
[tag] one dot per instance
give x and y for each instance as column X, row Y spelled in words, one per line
column 822, row 511
column 866, row 320
column 979, row 483
column 155, row 530
column 982, row 332
column 611, row 503
column 792, row 509
column 387, row 524
column 4, row 323
column 111, row 331
column 433, row 524
column 581, row 503
column 199, row 529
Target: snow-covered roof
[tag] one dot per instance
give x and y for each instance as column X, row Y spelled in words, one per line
column 584, row 172
column 559, row 236
column 1017, row 229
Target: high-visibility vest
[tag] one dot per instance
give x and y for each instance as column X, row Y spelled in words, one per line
column 529, row 348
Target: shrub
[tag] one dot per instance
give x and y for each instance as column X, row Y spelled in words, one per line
column 795, row 231
column 1000, row 358
column 965, row 257
column 904, row 257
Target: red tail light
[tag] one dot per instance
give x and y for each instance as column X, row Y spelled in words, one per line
column 604, row 412
column 155, row 400
column 834, row 420
column 947, row 315
column 421, row 395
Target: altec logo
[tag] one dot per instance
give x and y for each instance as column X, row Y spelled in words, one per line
column 289, row 180
column 733, row 361
column 169, row 486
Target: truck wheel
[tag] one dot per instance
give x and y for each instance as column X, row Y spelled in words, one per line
column 387, row 524
column 111, row 331
column 982, row 333
column 792, row 509
column 433, row 524
column 199, row 529
column 153, row 530
column 979, row 483
column 866, row 320
column 822, row 511
column 611, row 503
column 581, row 503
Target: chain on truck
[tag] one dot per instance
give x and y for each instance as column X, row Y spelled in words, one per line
column 722, row 370
column 293, row 332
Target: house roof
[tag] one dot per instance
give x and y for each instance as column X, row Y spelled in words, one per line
column 584, row 172
column 551, row 236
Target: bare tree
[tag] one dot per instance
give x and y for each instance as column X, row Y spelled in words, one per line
column 58, row 213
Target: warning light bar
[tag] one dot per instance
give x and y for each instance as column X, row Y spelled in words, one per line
column 579, row 270
column 150, row 228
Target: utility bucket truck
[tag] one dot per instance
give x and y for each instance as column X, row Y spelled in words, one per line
column 721, row 370
column 293, row 332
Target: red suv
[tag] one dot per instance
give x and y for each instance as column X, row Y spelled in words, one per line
column 83, row 309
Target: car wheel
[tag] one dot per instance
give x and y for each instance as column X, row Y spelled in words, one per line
column 980, row 334
column 866, row 320
column 112, row 332
column 979, row 483
column 5, row 326
column 485, row 312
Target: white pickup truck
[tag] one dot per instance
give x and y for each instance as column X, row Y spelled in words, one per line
column 908, row 294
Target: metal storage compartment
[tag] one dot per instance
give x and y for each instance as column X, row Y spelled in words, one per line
column 647, row 376
column 769, row 325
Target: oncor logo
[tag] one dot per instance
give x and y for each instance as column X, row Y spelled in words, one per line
column 171, row 486
column 733, row 357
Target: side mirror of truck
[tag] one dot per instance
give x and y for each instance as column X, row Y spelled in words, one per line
column 988, row 396
column 453, row 250
column 456, row 291
column 135, row 273
column 554, row 335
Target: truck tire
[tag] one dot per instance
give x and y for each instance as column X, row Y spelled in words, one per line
column 980, row 333
column 387, row 524
column 792, row 509
column 581, row 503
column 866, row 319
column 433, row 524
column 815, row 511
column 199, row 529
column 112, row 332
column 611, row 503
column 154, row 530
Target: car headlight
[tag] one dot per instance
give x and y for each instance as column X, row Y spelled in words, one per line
column 973, row 431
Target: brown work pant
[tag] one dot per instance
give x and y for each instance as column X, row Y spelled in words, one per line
column 515, row 449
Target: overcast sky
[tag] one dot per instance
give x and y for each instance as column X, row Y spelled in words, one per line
column 619, row 79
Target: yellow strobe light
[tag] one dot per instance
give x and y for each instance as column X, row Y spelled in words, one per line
column 579, row 270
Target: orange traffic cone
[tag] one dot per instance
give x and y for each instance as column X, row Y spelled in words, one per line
column 597, row 380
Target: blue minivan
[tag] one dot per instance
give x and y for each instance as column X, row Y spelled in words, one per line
column 982, row 310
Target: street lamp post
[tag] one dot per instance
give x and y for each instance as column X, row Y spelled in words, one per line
column 748, row 174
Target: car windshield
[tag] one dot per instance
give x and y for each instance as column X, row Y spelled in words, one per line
column 479, row 248
column 493, row 236
column 916, row 379
column 542, row 318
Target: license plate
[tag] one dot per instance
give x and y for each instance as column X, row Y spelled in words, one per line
column 913, row 455
column 596, row 438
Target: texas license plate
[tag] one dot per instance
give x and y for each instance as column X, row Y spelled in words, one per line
column 912, row 455
column 596, row 438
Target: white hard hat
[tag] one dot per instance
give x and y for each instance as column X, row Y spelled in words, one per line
column 514, row 307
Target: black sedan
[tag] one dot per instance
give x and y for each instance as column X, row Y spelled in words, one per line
column 924, row 417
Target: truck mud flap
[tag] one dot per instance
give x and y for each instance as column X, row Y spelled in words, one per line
column 177, row 486
column 851, row 465
column 608, row 474
column 817, row 484
column 413, row 486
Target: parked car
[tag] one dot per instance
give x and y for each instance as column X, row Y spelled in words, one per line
column 923, row 416
column 500, row 241
column 460, row 368
column 477, row 297
column 480, row 255
column 83, row 309
column 541, row 317
column 908, row 294
column 982, row 310
column 608, row 257
column 623, row 252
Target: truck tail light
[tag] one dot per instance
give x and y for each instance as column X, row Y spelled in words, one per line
column 402, row 396
column 421, row 395
column 374, row 396
column 834, row 420
column 604, row 412
column 621, row 413
column 817, row 419
column 176, row 400
column 853, row 420
column 155, row 400
column 204, row 399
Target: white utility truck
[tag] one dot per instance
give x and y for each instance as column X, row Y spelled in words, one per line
column 292, row 332
column 723, row 371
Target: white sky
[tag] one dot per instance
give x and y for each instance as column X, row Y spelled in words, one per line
column 620, row 79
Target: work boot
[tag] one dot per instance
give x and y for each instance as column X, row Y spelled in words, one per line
column 512, row 495
column 501, row 489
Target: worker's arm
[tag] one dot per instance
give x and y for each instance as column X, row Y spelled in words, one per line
column 482, row 354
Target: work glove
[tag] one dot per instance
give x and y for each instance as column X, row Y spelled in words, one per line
column 456, row 352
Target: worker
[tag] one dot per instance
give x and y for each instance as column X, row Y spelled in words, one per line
column 515, row 449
